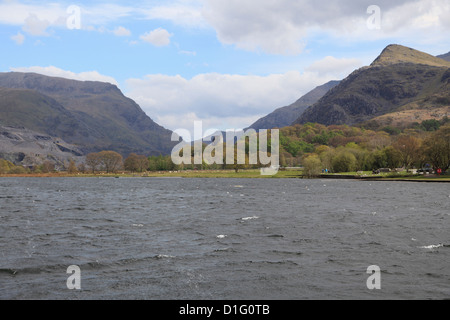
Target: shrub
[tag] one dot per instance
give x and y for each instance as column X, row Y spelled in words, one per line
column 312, row 166
column 18, row 170
column 344, row 162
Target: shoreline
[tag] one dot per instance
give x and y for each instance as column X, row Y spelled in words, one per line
column 229, row 174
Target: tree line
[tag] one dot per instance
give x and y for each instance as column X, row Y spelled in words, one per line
column 111, row 162
column 335, row 148
column 357, row 149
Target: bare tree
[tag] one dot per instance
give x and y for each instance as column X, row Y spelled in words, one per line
column 48, row 167
column 72, row 167
column 93, row 161
column 409, row 150
column 111, row 160
column 142, row 163
column 131, row 163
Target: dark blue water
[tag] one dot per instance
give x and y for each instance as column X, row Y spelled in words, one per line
column 146, row 238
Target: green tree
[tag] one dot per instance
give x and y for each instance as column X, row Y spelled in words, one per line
column 312, row 166
column 379, row 159
column 344, row 161
column 160, row 163
column 17, row 170
column 437, row 148
column 393, row 157
column 5, row 166
column 431, row 125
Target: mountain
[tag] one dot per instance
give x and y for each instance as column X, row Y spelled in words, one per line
column 399, row 79
column 396, row 54
column 94, row 116
column 445, row 56
column 283, row 117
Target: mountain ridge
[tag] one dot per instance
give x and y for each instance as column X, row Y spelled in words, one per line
column 445, row 56
column 283, row 117
column 101, row 117
column 399, row 78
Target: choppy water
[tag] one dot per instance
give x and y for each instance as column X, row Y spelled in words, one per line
column 223, row 239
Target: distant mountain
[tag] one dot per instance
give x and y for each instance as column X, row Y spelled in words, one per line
column 445, row 56
column 92, row 115
column 399, row 79
column 283, row 117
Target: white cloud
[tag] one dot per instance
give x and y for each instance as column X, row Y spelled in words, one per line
column 18, row 38
column 122, row 32
column 223, row 101
column 186, row 122
column 16, row 13
column 158, row 37
column 184, row 13
column 187, row 53
column 339, row 68
column 277, row 27
column 57, row 72
column 283, row 26
column 104, row 13
column 35, row 26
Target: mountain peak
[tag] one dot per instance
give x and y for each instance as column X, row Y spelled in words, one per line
column 395, row 54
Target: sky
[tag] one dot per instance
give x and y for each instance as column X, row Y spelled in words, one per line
column 225, row 63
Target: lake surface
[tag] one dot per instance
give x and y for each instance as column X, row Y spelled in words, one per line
column 202, row 239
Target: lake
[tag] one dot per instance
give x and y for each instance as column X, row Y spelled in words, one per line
column 222, row 239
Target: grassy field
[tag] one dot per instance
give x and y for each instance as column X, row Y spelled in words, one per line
column 244, row 174
column 175, row 174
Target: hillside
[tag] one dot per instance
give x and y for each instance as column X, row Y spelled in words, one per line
column 283, row 117
column 93, row 115
column 399, row 79
column 445, row 56
column 35, row 111
column 30, row 148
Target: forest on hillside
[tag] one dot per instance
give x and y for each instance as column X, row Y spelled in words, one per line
column 348, row 149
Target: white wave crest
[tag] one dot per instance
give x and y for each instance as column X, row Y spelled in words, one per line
column 250, row 218
column 433, row 246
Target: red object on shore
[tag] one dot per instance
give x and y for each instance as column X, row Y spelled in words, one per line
column 439, row 171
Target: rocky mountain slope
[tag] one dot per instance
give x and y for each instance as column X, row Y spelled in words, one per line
column 92, row 115
column 399, row 79
column 30, row 148
column 283, row 117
